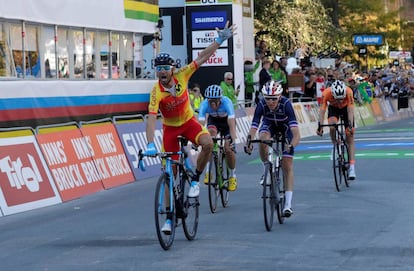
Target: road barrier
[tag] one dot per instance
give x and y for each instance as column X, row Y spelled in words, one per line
column 58, row 163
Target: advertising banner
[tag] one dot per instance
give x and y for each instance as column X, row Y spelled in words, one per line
column 376, row 110
column 133, row 139
column 25, row 180
column 108, row 154
column 69, row 159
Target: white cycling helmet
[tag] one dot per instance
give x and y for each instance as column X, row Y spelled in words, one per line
column 271, row 89
column 338, row 89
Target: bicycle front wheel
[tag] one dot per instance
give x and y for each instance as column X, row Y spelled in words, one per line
column 225, row 173
column 268, row 197
column 279, row 195
column 191, row 210
column 337, row 167
column 213, row 185
column 164, row 207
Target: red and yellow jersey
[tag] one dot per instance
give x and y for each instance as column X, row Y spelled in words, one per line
column 176, row 110
column 327, row 98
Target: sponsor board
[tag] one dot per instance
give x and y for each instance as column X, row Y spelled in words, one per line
column 133, row 139
column 219, row 58
column 108, row 154
column 68, row 156
column 208, row 20
column 25, row 180
column 203, row 38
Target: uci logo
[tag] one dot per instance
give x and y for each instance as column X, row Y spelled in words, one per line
column 208, row 1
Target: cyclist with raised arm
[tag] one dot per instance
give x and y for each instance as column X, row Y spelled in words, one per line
column 339, row 100
column 218, row 110
column 170, row 96
column 276, row 115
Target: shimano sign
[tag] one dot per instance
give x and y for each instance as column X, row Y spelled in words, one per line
column 368, row 40
column 208, row 20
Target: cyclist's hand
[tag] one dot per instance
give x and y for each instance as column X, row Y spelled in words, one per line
column 319, row 131
column 350, row 130
column 141, row 165
column 248, row 148
column 151, row 150
column 140, row 162
column 225, row 34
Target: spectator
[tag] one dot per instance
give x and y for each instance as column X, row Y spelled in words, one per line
column 278, row 75
column 228, row 88
column 310, row 84
column 249, row 81
column 264, row 77
column 195, row 97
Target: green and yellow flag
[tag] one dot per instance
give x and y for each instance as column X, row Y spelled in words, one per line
column 142, row 10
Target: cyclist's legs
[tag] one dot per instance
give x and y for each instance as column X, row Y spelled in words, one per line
column 349, row 137
column 220, row 126
column 199, row 135
column 264, row 134
column 333, row 117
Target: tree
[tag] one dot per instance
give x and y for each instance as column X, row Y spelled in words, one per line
column 327, row 25
column 295, row 24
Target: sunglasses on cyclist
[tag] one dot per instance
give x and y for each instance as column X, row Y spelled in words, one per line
column 273, row 99
column 164, row 67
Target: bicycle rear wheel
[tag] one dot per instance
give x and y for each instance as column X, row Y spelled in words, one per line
column 225, row 173
column 268, row 197
column 345, row 163
column 213, row 186
column 337, row 167
column 161, row 209
column 191, row 210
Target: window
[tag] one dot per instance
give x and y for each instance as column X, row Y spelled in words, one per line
column 103, row 42
column 78, row 55
column 29, row 50
column 6, row 63
column 62, row 53
column 31, row 47
column 49, row 54
column 114, row 49
column 126, row 56
column 90, row 54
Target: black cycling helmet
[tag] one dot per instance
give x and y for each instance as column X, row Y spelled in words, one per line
column 164, row 59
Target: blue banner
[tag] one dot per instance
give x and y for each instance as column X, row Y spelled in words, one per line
column 208, row 20
column 368, row 40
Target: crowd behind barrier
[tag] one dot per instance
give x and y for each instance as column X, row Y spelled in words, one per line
column 57, row 163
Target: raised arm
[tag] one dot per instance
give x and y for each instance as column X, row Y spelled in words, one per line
column 223, row 35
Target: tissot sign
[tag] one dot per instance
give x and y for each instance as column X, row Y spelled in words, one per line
column 368, row 39
column 203, row 38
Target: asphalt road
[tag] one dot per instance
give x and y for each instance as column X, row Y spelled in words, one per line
column 367, row 226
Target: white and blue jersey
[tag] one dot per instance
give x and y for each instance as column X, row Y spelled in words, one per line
column 225, row 109
column 217, row 119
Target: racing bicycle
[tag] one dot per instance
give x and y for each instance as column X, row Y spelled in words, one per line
column 171, row 195
column 218, row 175
column 340, row 155
column 273, row 195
